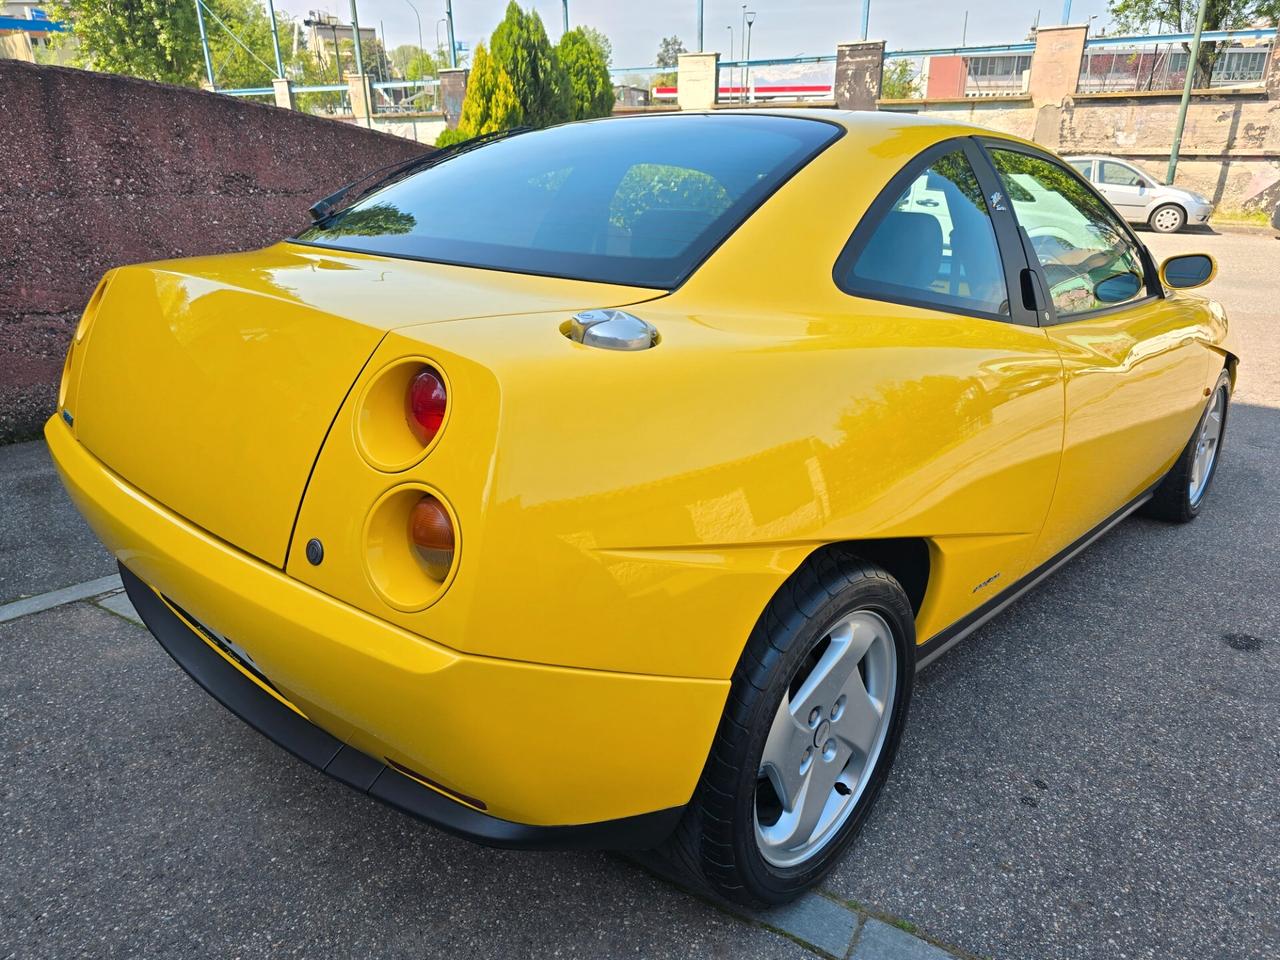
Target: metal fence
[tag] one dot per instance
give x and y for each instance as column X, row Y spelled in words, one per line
column 1163, row 66
column 788, row 79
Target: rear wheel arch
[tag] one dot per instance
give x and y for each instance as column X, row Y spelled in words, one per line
column 906, row 559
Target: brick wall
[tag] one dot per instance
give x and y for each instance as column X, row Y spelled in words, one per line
column 98, row 170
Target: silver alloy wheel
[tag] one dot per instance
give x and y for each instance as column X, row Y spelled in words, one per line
column 1207, row 442
column 825, row 739
column 1167, row 219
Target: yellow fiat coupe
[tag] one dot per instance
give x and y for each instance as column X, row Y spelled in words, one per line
column 606, row 485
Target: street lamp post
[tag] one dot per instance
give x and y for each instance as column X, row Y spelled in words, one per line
column 421, row 52
column 742, row 71
column 730, row 29
column 746, row 57
column 565, row 8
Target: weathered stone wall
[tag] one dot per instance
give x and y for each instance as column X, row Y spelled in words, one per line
column 98, row 170
column 1230, row 144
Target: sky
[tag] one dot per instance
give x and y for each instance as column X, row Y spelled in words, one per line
column 783, row 28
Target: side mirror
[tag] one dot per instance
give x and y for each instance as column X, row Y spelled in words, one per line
column 1117, row 288
column 1188, row 270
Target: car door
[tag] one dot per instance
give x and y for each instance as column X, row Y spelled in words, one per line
column 1134, row 369
column 1126, row 188
column 971, row 385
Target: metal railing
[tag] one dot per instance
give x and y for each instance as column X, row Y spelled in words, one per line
column 1163, row 66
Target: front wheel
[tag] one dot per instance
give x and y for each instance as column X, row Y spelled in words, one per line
column 1169, row 218
column 1181, row 493
column 812, row 724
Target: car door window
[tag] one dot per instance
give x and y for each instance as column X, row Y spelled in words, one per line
column 1089, row 259
column 1118, row 175
column 934, row 246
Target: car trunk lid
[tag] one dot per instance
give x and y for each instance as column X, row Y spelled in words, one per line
column 211, row 383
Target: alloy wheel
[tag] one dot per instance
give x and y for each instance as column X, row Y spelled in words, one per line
column 825, row 739
column 1207, row 443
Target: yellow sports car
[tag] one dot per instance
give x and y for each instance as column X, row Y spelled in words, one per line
column 606, row 485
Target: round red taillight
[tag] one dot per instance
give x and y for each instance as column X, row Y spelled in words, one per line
column 426, row 404
column 431, row 531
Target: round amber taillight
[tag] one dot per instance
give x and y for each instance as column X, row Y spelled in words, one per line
column 431, row 532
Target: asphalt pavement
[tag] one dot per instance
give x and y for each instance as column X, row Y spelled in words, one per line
column 1091, row 775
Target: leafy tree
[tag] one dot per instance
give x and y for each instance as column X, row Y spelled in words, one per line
column 589, row 83
column 600, row 42
column 412, row 64
column 1179, row 16
column 233, row 65
column 490, row 104
column 899, row 81
column 376, row 220
column 151, row 39
column 520, row 47
column 669, row 51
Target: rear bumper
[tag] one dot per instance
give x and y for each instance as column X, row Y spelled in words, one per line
column 503, row 752
column 289, row 729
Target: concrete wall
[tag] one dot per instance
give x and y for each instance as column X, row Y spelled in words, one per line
column 1230, row 145
column 100, row 170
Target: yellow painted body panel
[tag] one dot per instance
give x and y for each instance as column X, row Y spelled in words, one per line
column 626, row 515
column 526, row 740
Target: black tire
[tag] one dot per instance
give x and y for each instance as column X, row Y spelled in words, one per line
column 715, row 847
column 1173, row 500
column 1167, row 218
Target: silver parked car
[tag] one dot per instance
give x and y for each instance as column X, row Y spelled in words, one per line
column 1141, row 198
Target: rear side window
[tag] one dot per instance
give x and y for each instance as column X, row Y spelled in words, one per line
column 1087, row 255
column 1084, row 166
column 637, row 201
column 934, row 246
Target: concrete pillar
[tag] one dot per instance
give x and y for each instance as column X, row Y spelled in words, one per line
column 453, row 89
column 361, row 90
column 859, row 69
column 1055, row 64
column 284, row 93
column 1273, row 70
column 697, row 80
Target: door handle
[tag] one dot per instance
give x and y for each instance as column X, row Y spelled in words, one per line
column 1034, row 297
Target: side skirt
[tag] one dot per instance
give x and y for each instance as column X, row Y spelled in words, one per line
column 942, row 641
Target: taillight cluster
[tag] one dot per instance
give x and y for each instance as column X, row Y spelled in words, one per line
column 430, row 528
column 410, row 537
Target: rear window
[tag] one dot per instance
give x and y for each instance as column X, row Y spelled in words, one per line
column 637, row 201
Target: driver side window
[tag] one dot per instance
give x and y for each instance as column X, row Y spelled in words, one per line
column 1089, row 260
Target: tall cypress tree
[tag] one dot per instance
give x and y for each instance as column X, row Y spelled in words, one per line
column 521, row 48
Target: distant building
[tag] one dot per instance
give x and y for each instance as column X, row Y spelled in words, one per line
column 327, row 36
column 628, row 96
column 21, row 44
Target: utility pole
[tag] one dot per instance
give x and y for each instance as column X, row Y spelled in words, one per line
column 275, row 38
column 701, row 48
column 742, row 71
column 355, row 34
column 453, row 46
column 866, row 17
column 204, row 42
column 564, row 4
column 1192, row 66
column 1066, row 12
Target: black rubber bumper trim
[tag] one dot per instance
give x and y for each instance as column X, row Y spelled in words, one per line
column 362, row 772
